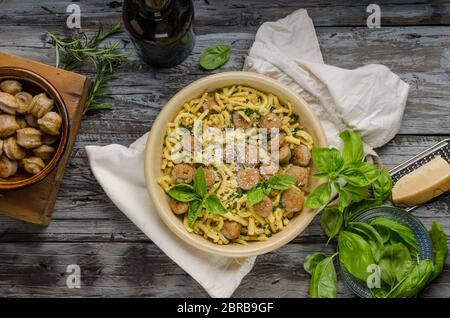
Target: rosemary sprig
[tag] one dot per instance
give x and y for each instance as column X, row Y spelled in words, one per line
column 79, row 50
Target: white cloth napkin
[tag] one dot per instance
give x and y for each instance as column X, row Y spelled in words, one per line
column 370, row 99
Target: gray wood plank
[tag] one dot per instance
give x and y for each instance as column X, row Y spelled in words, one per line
column 235, row 15
column 141, row 270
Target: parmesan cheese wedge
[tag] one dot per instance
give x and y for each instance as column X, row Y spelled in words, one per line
column 423, row 184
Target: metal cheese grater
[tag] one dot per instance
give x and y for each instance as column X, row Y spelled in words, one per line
column 442, row 149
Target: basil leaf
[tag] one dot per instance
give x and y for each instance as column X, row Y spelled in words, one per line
column 213, row 205
column 353, row 148
column 324, row 280
column 355, row 254
column 440, row 248
column 183, row 192
column 319, row 197
column 194, row 208
column 382, row 186
column 215, row 56
column 356, row 208
column 327, row 159
column 331, row 221
column 371, row 235
column 320, row 175
column 395, row 263
column 399, row 233
column 254, row 195
column 356, row 193
column 281, row 181
column 343, row 199
column 200, row 182
column 360, row 175
column 312, row 260
column 414, row 282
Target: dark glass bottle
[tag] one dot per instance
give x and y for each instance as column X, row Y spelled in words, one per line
column 161, row 30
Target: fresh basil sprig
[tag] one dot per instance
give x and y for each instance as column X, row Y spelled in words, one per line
column 277, row 182
column 215, row 56
column 197, row 196
column 323, row 282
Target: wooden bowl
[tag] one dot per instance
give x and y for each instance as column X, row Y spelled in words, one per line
column 152, row 162
column 35, row 84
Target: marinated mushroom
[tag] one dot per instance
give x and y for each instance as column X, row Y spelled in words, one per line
column 44, row 152
column 301, row 155
column 13, row 150
column 21, row 122
column 264, row 208
column 33, row 165
column 23, row 100
column 8, row 167
column 300, row 174
column 41, row 105
column 11, row 86
column 183, row 173
column 29, row 138
column 8, row 103
column 293, row 200
column 50, row 123
column 178, row 207
column 31, row 121
column 8, row 125
column 231, row 229
column 49, row 139
column 248, row 178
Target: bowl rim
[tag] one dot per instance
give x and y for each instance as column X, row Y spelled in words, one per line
column 22, row 74
column 154, row 190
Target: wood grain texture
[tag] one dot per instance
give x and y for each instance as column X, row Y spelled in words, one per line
column 116, row 258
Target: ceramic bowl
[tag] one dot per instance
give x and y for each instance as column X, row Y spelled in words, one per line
column 35, row 84
column 155, row 144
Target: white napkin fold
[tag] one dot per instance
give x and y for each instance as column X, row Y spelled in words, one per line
column 369, row 99
column 219, row 276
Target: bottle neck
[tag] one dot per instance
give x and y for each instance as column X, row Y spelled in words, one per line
column 154, row 7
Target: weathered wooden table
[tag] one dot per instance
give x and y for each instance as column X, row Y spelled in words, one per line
column 116, row 259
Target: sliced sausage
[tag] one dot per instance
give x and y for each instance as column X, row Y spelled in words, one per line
column 210, row 103
column 301, row 155
column 292, row 200
column 178, row 207
column 248, row 178
column 240, row 122
column 264, row 208
column 268, row 170
column 276, row 142
column 270, row 121
column 300, row 174
column 284, row 154
column 209, row 177
column 231, row 229
column 183, row 173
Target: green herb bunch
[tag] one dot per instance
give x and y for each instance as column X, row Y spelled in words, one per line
column 79, row 50
column 384, row 242
column 197, row 196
